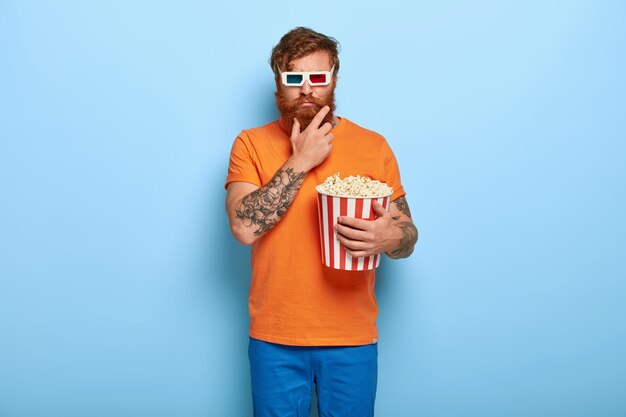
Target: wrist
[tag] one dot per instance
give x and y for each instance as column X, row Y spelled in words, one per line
column 297, row 165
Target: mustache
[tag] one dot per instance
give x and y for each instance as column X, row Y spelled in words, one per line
column 308, row 99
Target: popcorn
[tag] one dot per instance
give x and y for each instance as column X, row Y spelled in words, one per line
column 354, row 197
column 354, row 186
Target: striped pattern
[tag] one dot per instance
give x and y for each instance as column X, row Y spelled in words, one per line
column 329, row 208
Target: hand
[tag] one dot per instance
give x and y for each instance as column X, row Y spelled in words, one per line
column 311, row 146
column 368, row 237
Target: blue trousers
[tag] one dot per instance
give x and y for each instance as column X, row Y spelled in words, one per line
column 283, row 378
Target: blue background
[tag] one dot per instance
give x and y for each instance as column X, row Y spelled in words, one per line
column 122, row 292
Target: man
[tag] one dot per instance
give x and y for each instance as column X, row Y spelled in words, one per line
column 311, row 324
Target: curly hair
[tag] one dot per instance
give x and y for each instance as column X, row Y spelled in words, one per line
column 299, row 42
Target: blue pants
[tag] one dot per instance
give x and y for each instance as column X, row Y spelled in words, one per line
column 283, row 376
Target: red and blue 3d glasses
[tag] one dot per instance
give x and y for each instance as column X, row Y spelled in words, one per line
column 315, row 78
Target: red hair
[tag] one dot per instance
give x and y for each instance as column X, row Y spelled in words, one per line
column 299, row 42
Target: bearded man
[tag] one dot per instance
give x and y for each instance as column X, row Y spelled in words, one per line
column 311, row 325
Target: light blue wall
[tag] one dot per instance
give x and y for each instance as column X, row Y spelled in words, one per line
column 123, row 294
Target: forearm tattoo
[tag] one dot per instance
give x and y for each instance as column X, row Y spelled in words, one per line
column 407, row 242
column 267, row 205
column 409, row 231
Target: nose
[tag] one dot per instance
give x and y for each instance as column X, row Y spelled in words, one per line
column 305, row 89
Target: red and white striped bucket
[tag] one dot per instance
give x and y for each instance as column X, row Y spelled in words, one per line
column 329, row 208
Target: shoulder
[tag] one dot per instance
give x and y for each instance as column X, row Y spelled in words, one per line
column 260, row 131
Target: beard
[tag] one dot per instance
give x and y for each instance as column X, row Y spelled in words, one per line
column 289, row 109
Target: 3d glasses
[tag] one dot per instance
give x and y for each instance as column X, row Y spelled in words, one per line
column 315, row 78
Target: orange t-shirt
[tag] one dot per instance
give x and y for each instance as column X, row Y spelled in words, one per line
column 294, row 299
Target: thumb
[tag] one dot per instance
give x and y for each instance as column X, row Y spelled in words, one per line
column 379, row 209
column 295, row 129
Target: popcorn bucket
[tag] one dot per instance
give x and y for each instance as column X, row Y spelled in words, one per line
column 329, row 208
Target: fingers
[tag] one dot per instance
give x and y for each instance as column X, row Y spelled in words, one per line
column 359, row 254
column 379, row 209
column 350, row 244
column 295, row 129
column 353, row 234
column 354, row 223
column 325, row 128
column 358, row 243
column 317, row 120
column 355, row 248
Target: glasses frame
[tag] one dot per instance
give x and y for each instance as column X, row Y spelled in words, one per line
column 306, row 76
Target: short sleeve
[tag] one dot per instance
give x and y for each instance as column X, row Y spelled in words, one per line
column 389, row 170
column 242, row 166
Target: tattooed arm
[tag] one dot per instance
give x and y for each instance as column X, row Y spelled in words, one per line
column 393, row 232
column 254, row 211
column 401, row 217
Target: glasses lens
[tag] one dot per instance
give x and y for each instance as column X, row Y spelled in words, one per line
column 317, row 78
column 294, row 79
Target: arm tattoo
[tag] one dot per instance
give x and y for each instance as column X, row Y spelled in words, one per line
column 267, row 205
column 409, row 231
column 409, row 237
column 403, row 206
